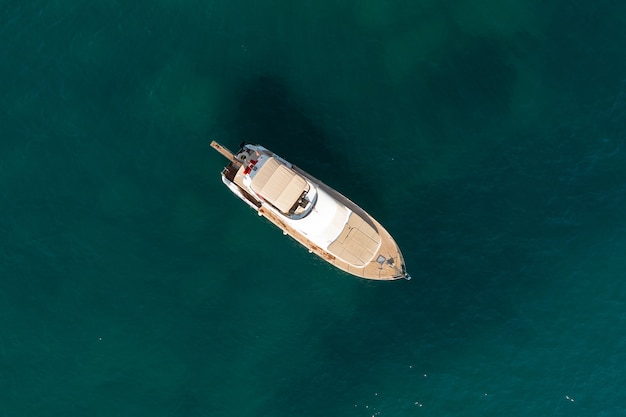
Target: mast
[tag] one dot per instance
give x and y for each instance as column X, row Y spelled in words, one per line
column 225, row 152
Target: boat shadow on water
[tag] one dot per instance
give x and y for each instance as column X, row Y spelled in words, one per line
column 269, row 113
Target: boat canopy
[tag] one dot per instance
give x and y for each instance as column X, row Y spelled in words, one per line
column 279, row 185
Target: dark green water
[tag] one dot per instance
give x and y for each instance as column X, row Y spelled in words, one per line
column 488, row 138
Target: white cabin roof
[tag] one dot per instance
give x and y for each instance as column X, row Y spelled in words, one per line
column 325, row 221
column 339, row 230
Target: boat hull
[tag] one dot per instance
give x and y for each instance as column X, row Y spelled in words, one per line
column 382, row 259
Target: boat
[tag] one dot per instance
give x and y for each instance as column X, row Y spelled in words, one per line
column 317, row 216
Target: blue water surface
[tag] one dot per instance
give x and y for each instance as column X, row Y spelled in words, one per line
column 488, row 138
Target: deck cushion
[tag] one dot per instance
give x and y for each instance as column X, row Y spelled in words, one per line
column 357, row 243
column 278, row 184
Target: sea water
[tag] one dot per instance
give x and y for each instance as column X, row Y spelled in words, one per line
column 488, row 138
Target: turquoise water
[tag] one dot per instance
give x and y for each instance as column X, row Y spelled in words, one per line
column 488, row 138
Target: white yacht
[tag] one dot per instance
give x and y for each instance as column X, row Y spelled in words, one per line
column 320, row 218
